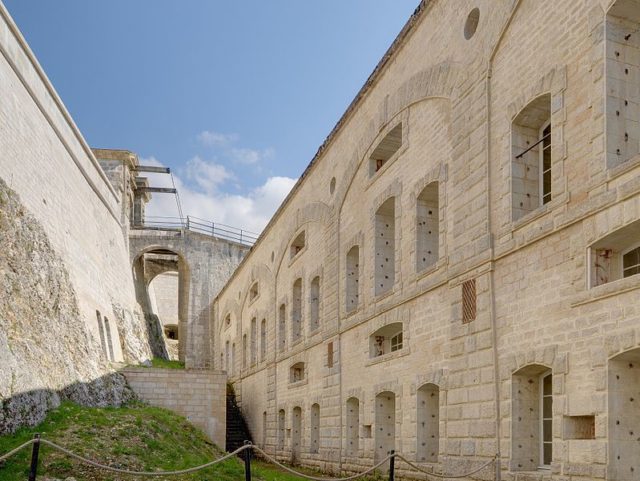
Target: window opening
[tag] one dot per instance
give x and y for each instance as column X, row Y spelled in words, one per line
column 385, row 419
column 282, row 327
column 631, row 262
column 427, row 227
column 254, row 340
column 386, row 149
column 314, row 304
column 385, row 222
column 353, row 426
column 546, row 420
column 315, row 428
column 244, row 351
column 385, row 340
column 353, row 278
column 297, row 245
column 281, row 420
column 263, row 339
column 253, row 292
column 428, row 423
column 296, row 311
column 297, row 372
column 531, row 171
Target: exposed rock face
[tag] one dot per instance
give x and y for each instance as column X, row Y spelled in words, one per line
column 46, row 352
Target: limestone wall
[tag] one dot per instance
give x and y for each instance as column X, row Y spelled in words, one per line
column 508, row 297
column 69, row 306
column 199, row 395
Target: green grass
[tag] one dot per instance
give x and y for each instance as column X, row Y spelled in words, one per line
column 135, row 437
column 166, row 364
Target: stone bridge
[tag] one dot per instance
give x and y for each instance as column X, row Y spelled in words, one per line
column 204, row 264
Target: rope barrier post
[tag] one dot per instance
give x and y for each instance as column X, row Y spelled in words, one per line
column 247, row 461
column 33, row 471
column 392, row 465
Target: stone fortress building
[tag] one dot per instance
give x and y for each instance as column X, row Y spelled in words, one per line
column 454, row 276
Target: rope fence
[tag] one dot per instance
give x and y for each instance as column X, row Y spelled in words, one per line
column 246, row 450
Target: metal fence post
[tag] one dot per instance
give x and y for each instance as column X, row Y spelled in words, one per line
column 392, row 465
column 33, row 471
column 247, row 461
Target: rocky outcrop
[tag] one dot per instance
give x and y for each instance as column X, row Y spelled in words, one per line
column 46, row 352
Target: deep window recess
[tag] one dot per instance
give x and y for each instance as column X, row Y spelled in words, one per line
column 263, row 339
column 385, row 228
column 227, row 357
column 227, row 320
column 281, row 419
column 385, row 419
column 296, row 311
column 297, row 372
column 353, row 278
column 532, row 418
column 468, row 301
column 254, row 340
column 282, row 328
column 315, row 428
column 615, row 256
column 297, row 245
column 427, row 227
column 314, row 304
column 353, row 426
column 631, row 262
column 244, row 351
column 622, row 81
column 385, row 340
column 428, row 423
column 253, row 292
column 531, row 170
column 386, row 149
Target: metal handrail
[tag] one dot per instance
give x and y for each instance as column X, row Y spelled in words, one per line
column 201, row 226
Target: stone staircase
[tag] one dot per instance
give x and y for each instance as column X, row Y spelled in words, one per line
column 237, row 429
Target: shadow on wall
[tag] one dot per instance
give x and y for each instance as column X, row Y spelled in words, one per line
column 48, row 351
column 31, row 407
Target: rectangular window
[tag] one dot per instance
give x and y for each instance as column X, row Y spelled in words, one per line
column 330, row 354
column 396, row 342
column 631, row 262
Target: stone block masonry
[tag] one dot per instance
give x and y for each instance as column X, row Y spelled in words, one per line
column 199, row 395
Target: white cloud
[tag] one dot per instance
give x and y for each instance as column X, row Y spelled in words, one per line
column 250, row 211
column 207, row 175
column 216, row 139
column 250, row 156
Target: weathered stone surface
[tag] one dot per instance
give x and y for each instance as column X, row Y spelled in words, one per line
column 46, row 352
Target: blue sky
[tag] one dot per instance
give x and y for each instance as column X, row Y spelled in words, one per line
column 234, row 96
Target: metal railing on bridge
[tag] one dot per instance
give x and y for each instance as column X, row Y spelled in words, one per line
column 201, row 226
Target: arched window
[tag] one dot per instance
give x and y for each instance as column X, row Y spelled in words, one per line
column 428, row 423
column 315, row 428
column 385, row 246
column 385, row 418
column 531, row 170
column 254, row 340
column 232, row 362
column 353, row 426
column 386, row 339
column 352, row 279
column 281, row 420
column 282, row 328
column 532, row 418
column 314, row 304
column 296, row 311
column 263, row 339
column 227, row 352
column 427, row 227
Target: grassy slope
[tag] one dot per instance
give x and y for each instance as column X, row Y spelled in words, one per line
column 136, row 437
